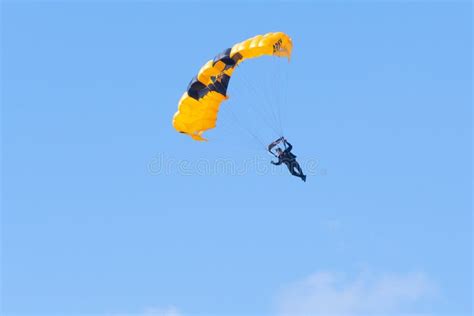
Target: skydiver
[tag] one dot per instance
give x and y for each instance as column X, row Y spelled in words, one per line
column 289, row 159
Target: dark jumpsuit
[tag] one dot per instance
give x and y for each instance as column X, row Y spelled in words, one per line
column 289, row 160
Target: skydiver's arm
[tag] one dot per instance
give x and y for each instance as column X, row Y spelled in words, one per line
column 289, row 147
column 276, row 163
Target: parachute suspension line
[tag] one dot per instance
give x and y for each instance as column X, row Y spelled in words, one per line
column 283, row 79
column 278, row 87
column 268, row 96
column 259, row 112
column 279, row 91
column 270, row 93
column 248, row 130
column 226, row 126
column 286, row 90
column 276, row 69
column 231, row 125
column 271, row 89
column 244, row 127
column 262, row 114
column 256, row 93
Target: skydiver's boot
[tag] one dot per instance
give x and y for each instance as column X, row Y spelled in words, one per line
column 298, row 174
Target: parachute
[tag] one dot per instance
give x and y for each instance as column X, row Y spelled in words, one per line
column 199, row 105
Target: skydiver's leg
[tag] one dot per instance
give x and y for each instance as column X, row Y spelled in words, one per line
column 297, row 166
column 291, row 168
column 302, row 176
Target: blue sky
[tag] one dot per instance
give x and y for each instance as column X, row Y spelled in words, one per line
column 379, row 96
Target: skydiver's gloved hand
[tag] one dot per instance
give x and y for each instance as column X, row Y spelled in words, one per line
column 274, row 163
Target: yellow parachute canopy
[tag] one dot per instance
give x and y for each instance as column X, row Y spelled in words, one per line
column 199, row 105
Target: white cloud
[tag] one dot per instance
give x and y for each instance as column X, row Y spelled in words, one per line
column 168, row 311
column 326, row 293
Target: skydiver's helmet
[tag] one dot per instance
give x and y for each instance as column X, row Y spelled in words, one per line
column 279, row 151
